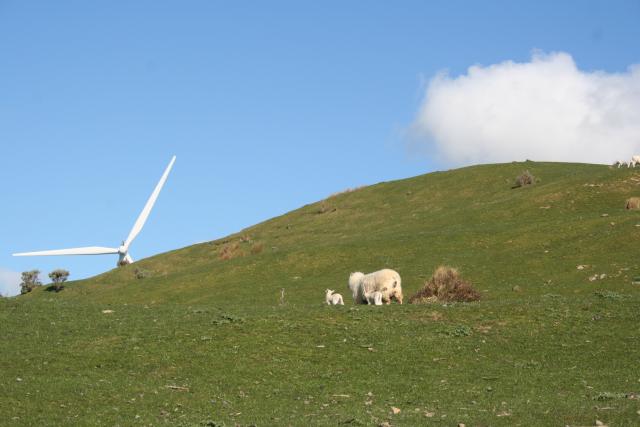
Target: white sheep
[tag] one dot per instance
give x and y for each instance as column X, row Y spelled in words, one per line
column 620, row 163
column 357, row 292
column 635, row 160
column 333, row 299
column 385, row 281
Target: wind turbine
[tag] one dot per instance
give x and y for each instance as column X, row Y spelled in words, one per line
column 123, row 250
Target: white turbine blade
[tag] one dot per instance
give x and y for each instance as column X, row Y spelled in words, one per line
column 89, row 250
column 147, row 208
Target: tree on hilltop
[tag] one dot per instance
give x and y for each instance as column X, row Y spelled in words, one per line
column 29, row 281
column 58, row 277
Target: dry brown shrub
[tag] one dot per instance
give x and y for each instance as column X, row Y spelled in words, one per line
column 257, row 248
column 524, row 179
column 446, row 285
column 633, row 203
column 229, row 251
column 323, row 208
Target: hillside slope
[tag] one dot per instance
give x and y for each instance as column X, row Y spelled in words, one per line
column 471, row 218
column 236, row 332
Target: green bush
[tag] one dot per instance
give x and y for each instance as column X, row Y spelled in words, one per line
column 29, row 281
column 58, row 277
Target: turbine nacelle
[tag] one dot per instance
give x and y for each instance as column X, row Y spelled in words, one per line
column 123, row 249
column 123, row 256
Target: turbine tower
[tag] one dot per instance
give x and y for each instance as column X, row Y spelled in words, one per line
column 123, row 250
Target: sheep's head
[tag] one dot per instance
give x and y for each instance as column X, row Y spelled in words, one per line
column 329, row 291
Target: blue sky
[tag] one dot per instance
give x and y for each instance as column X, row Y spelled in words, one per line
column 267, row 105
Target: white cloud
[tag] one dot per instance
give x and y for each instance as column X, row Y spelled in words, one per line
column 9, row 282
column 545, row 109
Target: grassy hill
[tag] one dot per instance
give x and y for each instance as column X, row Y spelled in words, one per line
column 203, row 335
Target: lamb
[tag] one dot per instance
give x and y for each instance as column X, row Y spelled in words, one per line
column 635, row 160
column 386, row 281
column 333, row 299
column 375, row 298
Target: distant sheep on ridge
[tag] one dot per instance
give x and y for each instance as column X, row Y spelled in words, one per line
column 620, row 163
column 635, row 160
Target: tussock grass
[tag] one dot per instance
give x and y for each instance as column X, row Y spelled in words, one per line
column 524, row 179
column 257, row 248
column 446, row 285
column 633, row 203
column 141, row 273
column 229, row 251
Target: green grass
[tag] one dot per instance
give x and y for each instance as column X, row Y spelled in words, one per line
column 201, row 340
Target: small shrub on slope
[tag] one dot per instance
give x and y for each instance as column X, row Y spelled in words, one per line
column 524, row 179
column 30, row 281
column 457, row 331
column 446, row 285
column 141, row 273
column 257, row 248
column 230, row 251
column 58, row 277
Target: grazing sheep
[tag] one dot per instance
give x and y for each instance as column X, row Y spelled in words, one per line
column 355, row 279
column 385, row 281
column 333, row 299
column 635, row 160
column 358, row 291
column 620, row 163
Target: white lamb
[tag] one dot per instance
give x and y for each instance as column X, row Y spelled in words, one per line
column 385, row 281
column 635, row 160
column 374, row 298
column 333, row 299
